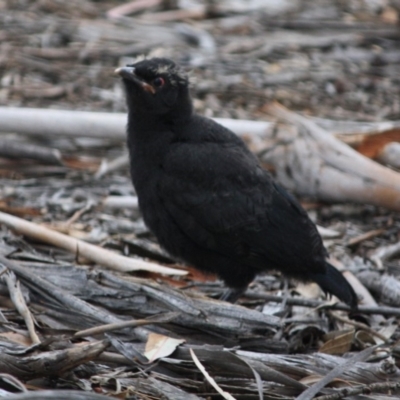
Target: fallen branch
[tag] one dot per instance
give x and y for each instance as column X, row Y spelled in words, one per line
column 91, row 252
column 40, row 122
column 311, row 162
column 316, row 164
column 356, row 131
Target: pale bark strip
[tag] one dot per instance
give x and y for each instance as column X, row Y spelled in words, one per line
column 94, row 253
column 18, row 300
column 337, row 371
column 212, row 382
column 58, row 394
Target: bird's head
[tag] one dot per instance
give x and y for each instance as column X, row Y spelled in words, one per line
column 156, row 86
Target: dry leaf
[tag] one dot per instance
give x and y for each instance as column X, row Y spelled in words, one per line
column 314, row 378
column 365, row 338
column 339, row 344
column 372, row 144
column 159, row 346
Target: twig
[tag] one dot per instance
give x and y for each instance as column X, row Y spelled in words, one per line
column 77, row 214
column 130, row 8
column 364, row 389
column 118, row 202
column 175, row 15
column 158, row 319
column 113, row 165
column 214, row 384
column 365, row 236
column 109, row 357
column 91, row 252
column 387, row 311
column 18, row 150
column 19, row 302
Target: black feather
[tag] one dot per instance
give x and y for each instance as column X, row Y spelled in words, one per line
column 332, row 281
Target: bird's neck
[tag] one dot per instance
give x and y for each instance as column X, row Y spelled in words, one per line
column 146, row 123
column 148, row 127
column 143, row 123
column 150, row 133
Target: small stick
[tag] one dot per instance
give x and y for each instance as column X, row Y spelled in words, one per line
column 130, row 8
column 79, row 214
column 297, row 301
column 118, row 202
column 113, row 165
column 19, row 302
column 91, row 252
column 364, row 236
column 158, row 319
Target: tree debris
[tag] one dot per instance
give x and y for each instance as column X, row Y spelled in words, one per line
column 63, row 165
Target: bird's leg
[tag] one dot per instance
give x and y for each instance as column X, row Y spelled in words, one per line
column 233, row 295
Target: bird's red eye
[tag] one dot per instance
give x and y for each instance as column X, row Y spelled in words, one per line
column 158, row 82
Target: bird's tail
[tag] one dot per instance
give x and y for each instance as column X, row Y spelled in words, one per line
column 333, row 282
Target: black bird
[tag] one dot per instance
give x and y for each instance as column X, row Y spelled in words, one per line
column 205, row 196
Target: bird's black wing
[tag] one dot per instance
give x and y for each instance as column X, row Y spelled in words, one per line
column 224, row 201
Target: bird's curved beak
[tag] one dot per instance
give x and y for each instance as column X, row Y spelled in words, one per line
column 129, row 74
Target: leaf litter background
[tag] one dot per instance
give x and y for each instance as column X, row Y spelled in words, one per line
column 333, row 60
